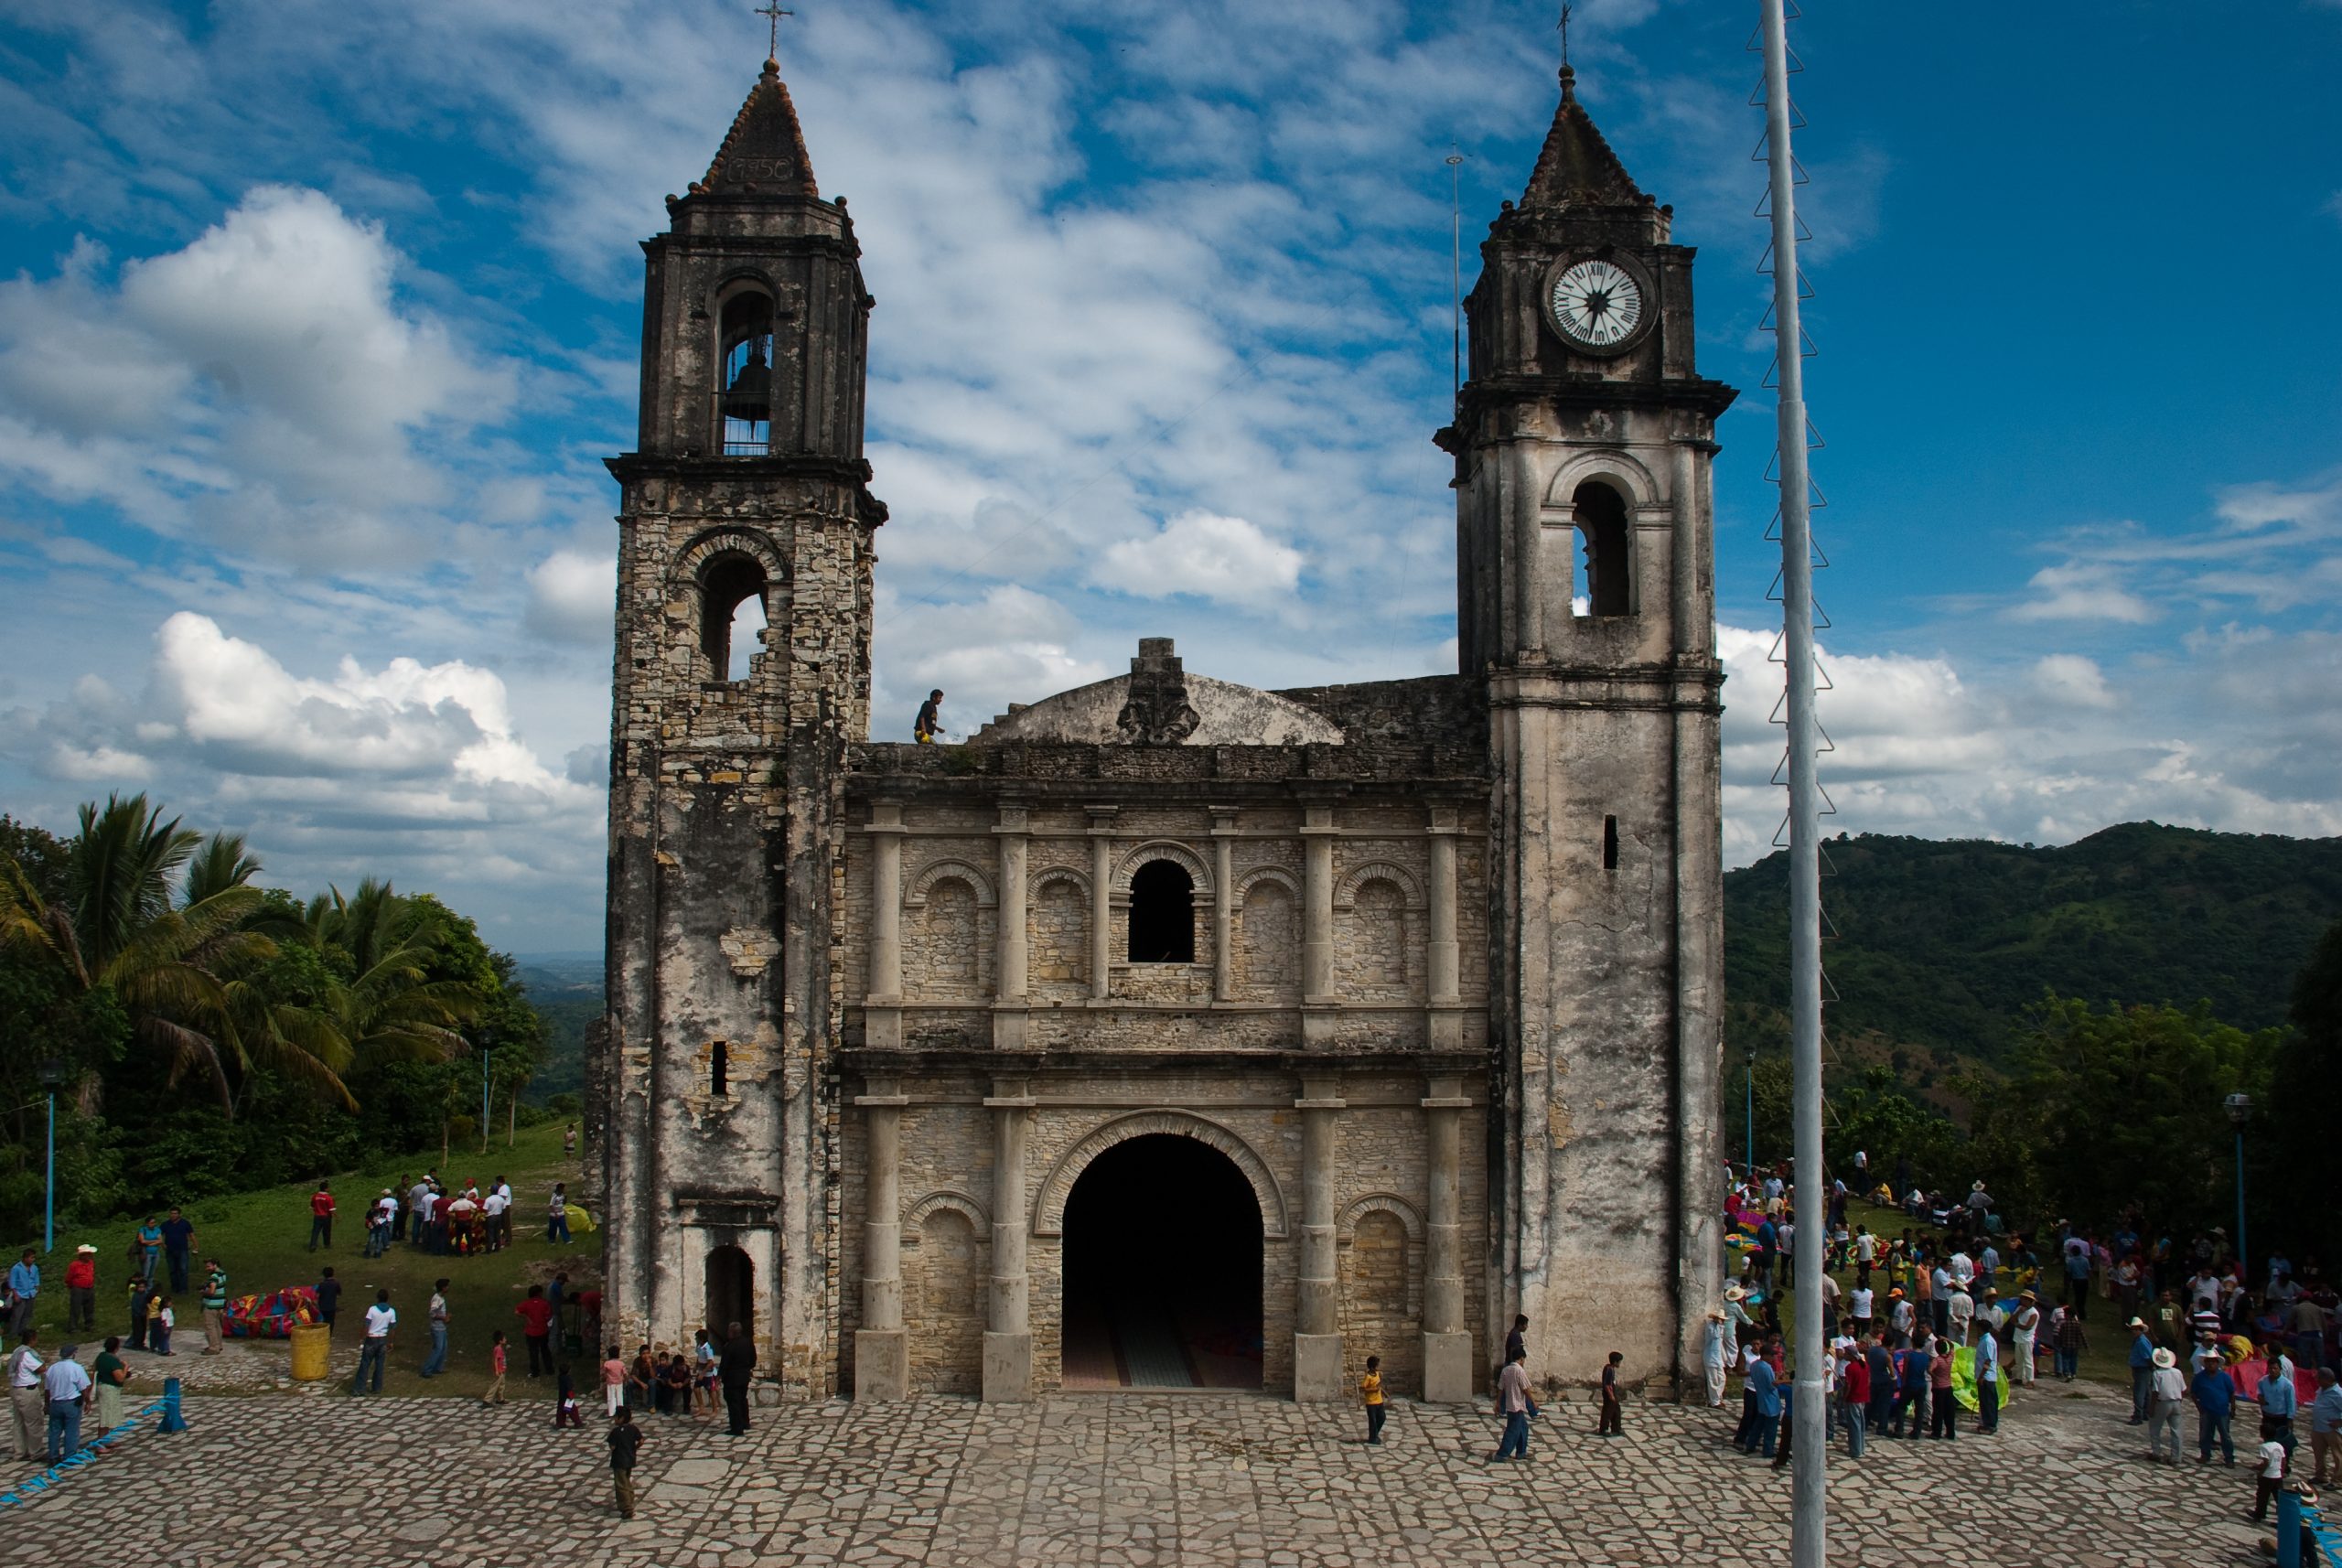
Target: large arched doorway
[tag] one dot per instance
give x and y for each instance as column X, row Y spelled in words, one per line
column 731, row 1292
column 1162, row 1270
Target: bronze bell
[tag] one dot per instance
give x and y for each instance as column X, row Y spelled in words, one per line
column 751, row 386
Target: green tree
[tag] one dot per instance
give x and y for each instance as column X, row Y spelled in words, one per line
column 2108, row 1111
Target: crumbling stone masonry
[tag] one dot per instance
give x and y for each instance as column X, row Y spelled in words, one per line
column 1426, row 973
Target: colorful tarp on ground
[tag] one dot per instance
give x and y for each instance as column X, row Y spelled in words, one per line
column 1963, row 1380
column 2248, row 1373
column 273, row 1315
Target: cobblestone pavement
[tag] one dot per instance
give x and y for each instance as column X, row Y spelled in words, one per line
column 285, row 1481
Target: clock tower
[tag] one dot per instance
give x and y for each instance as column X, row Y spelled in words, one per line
column 1583, row 441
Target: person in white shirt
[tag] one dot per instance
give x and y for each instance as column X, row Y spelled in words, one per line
column 1858, row 1307
column 66, row 1385
column 25, row 1401
column 491, row 1209
column 381, row 1318
column 1960, row 1310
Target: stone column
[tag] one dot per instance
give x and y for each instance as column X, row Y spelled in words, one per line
column 1223, row 903
column 1444, row 1025
column 1447, row 1342
column 1102, row 902
column 881, row 1349
column 883, row 1008
column 1009, row 1001
column 1316, row 1329
column 1318, row 833
column 1008, row 1338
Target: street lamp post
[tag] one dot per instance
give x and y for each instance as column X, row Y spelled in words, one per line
column 2240, row 1111
column 52, row 1079
column 1752, row 1113
column 487, row 1061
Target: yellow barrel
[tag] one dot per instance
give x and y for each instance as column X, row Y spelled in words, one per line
column 312, row 1352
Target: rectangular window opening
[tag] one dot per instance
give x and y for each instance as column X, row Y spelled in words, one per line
column 1609, row 844
column 719, row 1069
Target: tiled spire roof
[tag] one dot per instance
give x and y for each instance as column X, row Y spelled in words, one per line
column 764, row 151
column 1577, row 168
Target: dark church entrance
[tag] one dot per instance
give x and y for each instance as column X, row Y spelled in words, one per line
column 1162, row 1270
column 731, row 1292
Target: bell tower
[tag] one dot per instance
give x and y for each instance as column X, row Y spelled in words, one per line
column 742, row 673
column 1583, row 441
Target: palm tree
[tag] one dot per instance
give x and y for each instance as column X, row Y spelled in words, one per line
column 390, row 1009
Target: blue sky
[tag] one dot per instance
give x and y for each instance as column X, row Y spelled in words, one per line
column 316, row 321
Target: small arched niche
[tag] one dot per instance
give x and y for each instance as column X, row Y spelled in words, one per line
column 744, row 388
column 1599, row 518
column 732, row 614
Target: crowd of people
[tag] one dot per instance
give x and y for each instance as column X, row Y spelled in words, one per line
column 1955, row 1309
column 436, row 1217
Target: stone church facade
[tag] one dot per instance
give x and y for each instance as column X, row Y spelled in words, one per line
column 1169, row 1031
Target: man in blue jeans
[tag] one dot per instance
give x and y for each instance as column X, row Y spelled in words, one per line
column 65, row 1383
column 2214, row 1393
column 437, row 1362
column 2143, row 1370
column 381, row 1318
column 1514, row 1403
column 1764, row 1390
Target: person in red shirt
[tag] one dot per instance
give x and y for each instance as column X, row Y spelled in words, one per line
column 1854, row 1394
column 321, row 1218
column 82, row 1289
column 535, row 1314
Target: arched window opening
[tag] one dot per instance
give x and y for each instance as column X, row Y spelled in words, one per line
column 1601, row 522
column 719, row 1069
column 732, row 612
column 1163, row 914
column 746, row 381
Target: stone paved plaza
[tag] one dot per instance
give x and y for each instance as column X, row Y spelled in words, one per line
column 285, row 1481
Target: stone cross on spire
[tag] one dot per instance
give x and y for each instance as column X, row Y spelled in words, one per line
column 771, row 8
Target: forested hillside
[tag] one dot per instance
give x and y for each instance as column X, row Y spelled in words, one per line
column 1942, row 947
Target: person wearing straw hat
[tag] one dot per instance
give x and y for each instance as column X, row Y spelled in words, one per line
column 2143, row 1370
column 2169, row 1392
column 81, row 1290
column 1714, row 1339
column 2025, row 1324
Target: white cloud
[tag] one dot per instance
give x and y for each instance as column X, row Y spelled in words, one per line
column 1200, row 553
column 261, row 387
column 2082, row 591
column 572, row 596
column 235, row 703
column 2072, row 680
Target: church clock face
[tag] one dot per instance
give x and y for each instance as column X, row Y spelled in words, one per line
column 1599, row 306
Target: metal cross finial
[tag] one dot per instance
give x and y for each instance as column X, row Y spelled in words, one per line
column 772, row 8
column 1565, row 34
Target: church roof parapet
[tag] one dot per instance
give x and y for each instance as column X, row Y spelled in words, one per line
column 1159, row 703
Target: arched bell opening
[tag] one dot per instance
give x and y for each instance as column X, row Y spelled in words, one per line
column 1600, row 521
column 745, row 387
column 732, row 614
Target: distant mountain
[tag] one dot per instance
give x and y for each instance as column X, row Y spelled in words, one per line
column 1942, row 947
column 566, row 991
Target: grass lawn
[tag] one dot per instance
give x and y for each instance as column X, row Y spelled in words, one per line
column 2106, row 1356
column 264, row 1239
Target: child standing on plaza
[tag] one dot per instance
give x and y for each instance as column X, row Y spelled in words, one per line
column 1610, row 1425
column 625, row 1439
column 614, row 1382
column 1369, row 1388
column 496, row 1354
column 565, row 1398
column 159, row 1326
